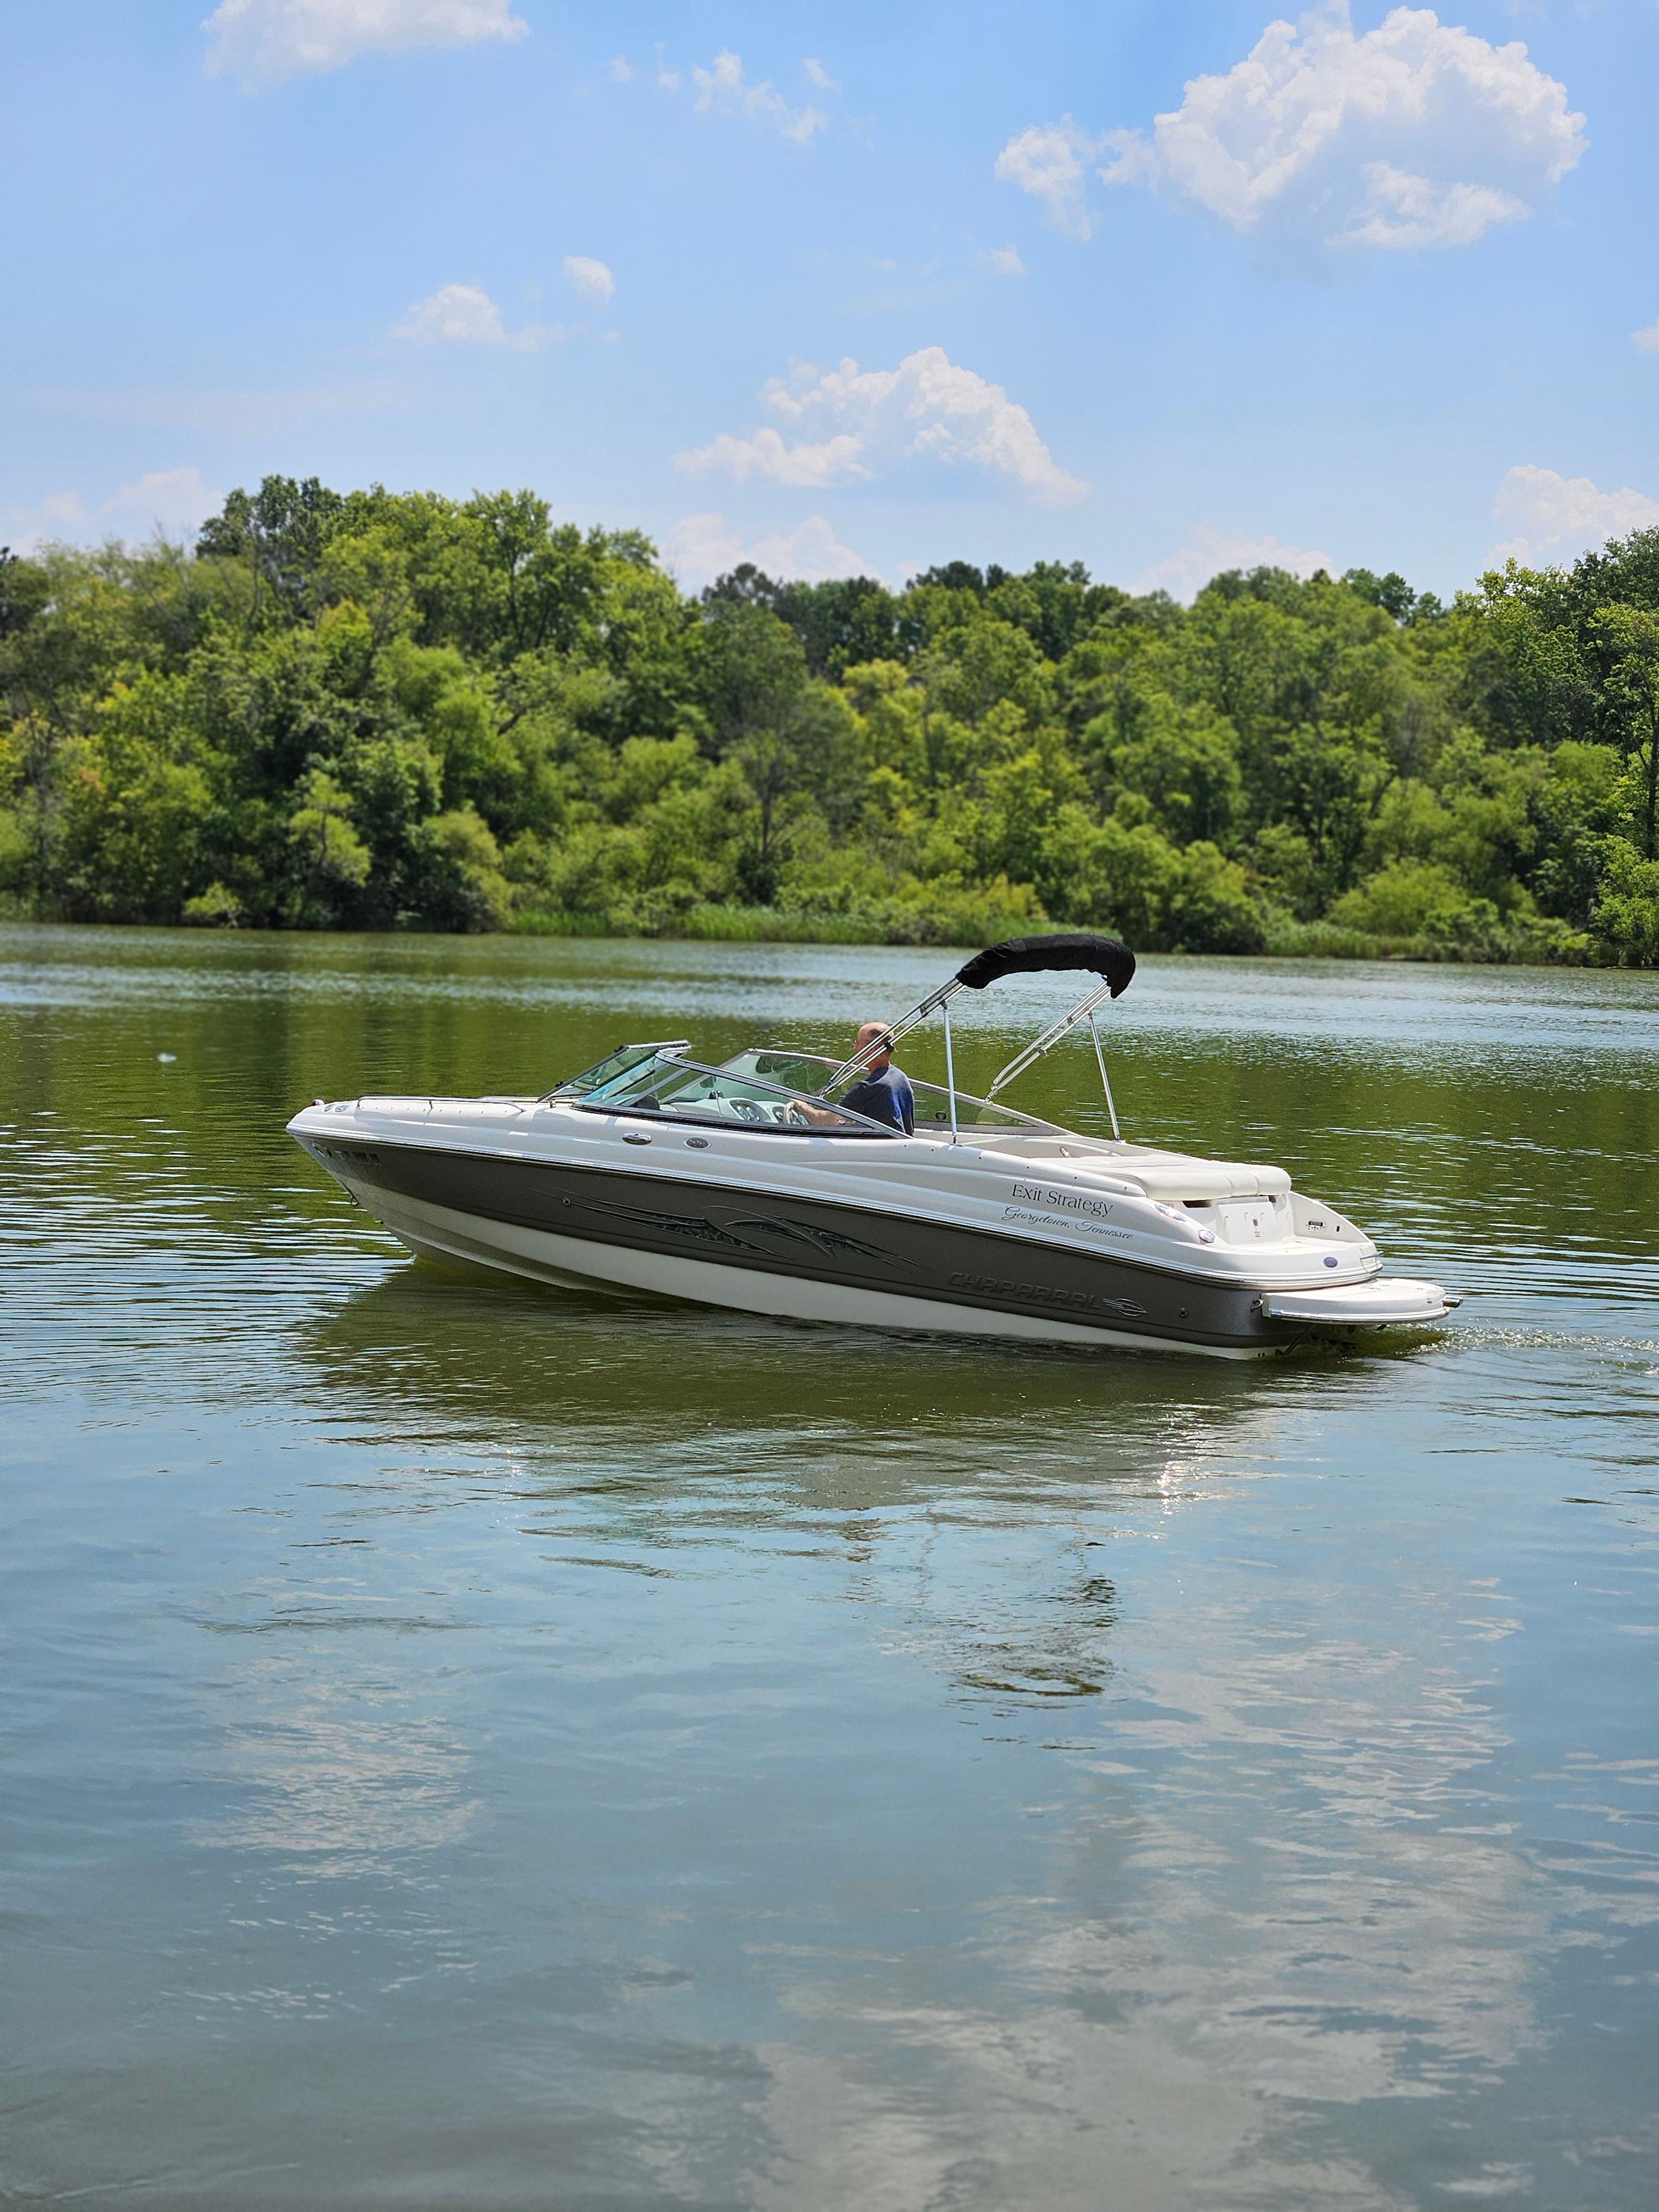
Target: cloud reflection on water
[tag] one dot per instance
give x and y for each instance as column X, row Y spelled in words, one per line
column 1192, row 1989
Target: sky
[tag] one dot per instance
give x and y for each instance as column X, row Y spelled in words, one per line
column 848, row 289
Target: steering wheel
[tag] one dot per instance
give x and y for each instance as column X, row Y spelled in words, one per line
column 797, row 1115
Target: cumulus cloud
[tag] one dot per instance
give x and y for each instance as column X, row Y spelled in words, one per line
column 769, row 454
column 854, row 424
column 174, row 502
column 817, row 74
column 1209, row 552
column 1646, row 340
column 1004, row 261
column 589, row 277
column 1047, row 160
column 1415, row 136
column 455, row 314
column 1551, row 518
column 702, row 547
column 463, row 314
column 263, row 42
column 723, row 89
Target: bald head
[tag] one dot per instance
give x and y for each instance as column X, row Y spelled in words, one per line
column 876, row 1034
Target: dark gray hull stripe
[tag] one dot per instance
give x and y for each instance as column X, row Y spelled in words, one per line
column 896, row 1255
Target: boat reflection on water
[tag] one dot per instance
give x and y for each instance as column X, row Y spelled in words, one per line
column 476, row 1357
column 654, row 1431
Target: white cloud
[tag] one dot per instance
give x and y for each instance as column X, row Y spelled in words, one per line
column 1048, row 161
column 722, row 90
column 174, row 502
column 860, row 424
column 263, row 42
column 704, row 546
column 1646, row 340
column 766, row 454
column 1209, row 552
column 1551, row 518
column 1004, row 261
column 1403, row 213
column 589, row 277
column 1415, row 136
column 463, row 314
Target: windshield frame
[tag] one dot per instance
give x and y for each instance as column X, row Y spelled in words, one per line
column 633, row 1057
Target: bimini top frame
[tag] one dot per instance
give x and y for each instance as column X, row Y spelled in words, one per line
column 1105, row 957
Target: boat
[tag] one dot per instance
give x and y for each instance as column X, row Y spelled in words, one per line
column 752, row 1184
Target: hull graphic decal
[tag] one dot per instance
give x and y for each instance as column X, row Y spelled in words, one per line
column 695, row 1228
column 831, row 1242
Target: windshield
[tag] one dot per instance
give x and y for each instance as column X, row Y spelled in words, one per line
column 765, row 1090
column 625, row 1061
column 665, row 1084
column 807, row 1071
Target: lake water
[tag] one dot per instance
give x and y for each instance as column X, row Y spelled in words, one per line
column 468, row 1746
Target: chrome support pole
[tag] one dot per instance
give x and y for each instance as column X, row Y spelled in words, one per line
column 1105, row 1079
column 950, row 1075
column 1050, row 1037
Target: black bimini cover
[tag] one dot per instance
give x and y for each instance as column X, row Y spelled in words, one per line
column 1025, row 955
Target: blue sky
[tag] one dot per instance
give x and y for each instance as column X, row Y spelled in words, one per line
column 1373, row 289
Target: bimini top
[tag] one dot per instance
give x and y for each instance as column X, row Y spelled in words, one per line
column 1024, row 956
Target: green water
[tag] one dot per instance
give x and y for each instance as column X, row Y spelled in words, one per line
column 465, row 1745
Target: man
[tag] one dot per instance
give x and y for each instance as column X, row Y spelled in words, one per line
column 884, row 1093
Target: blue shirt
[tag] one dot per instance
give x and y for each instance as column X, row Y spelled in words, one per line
column 886, row 1097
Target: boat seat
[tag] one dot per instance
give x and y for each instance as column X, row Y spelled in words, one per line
column 1173, row 1177
column 1178, row 1180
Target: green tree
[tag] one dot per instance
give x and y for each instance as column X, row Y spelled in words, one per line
column 1629, row 641
column 331, row 861
column 382, row 709
column 282, row 531
column 1184, row 762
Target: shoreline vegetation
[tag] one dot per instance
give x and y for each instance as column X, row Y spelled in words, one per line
column 1282, row 940
column 377, row 711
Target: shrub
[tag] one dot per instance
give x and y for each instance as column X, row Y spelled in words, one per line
column 1625, row 919
column 216, row 908
column 1406, row 898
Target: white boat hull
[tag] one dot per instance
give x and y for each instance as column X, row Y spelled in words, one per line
column 1047, row 1239
column 439, row 1233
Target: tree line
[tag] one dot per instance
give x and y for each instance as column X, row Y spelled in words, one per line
column 375, row 710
